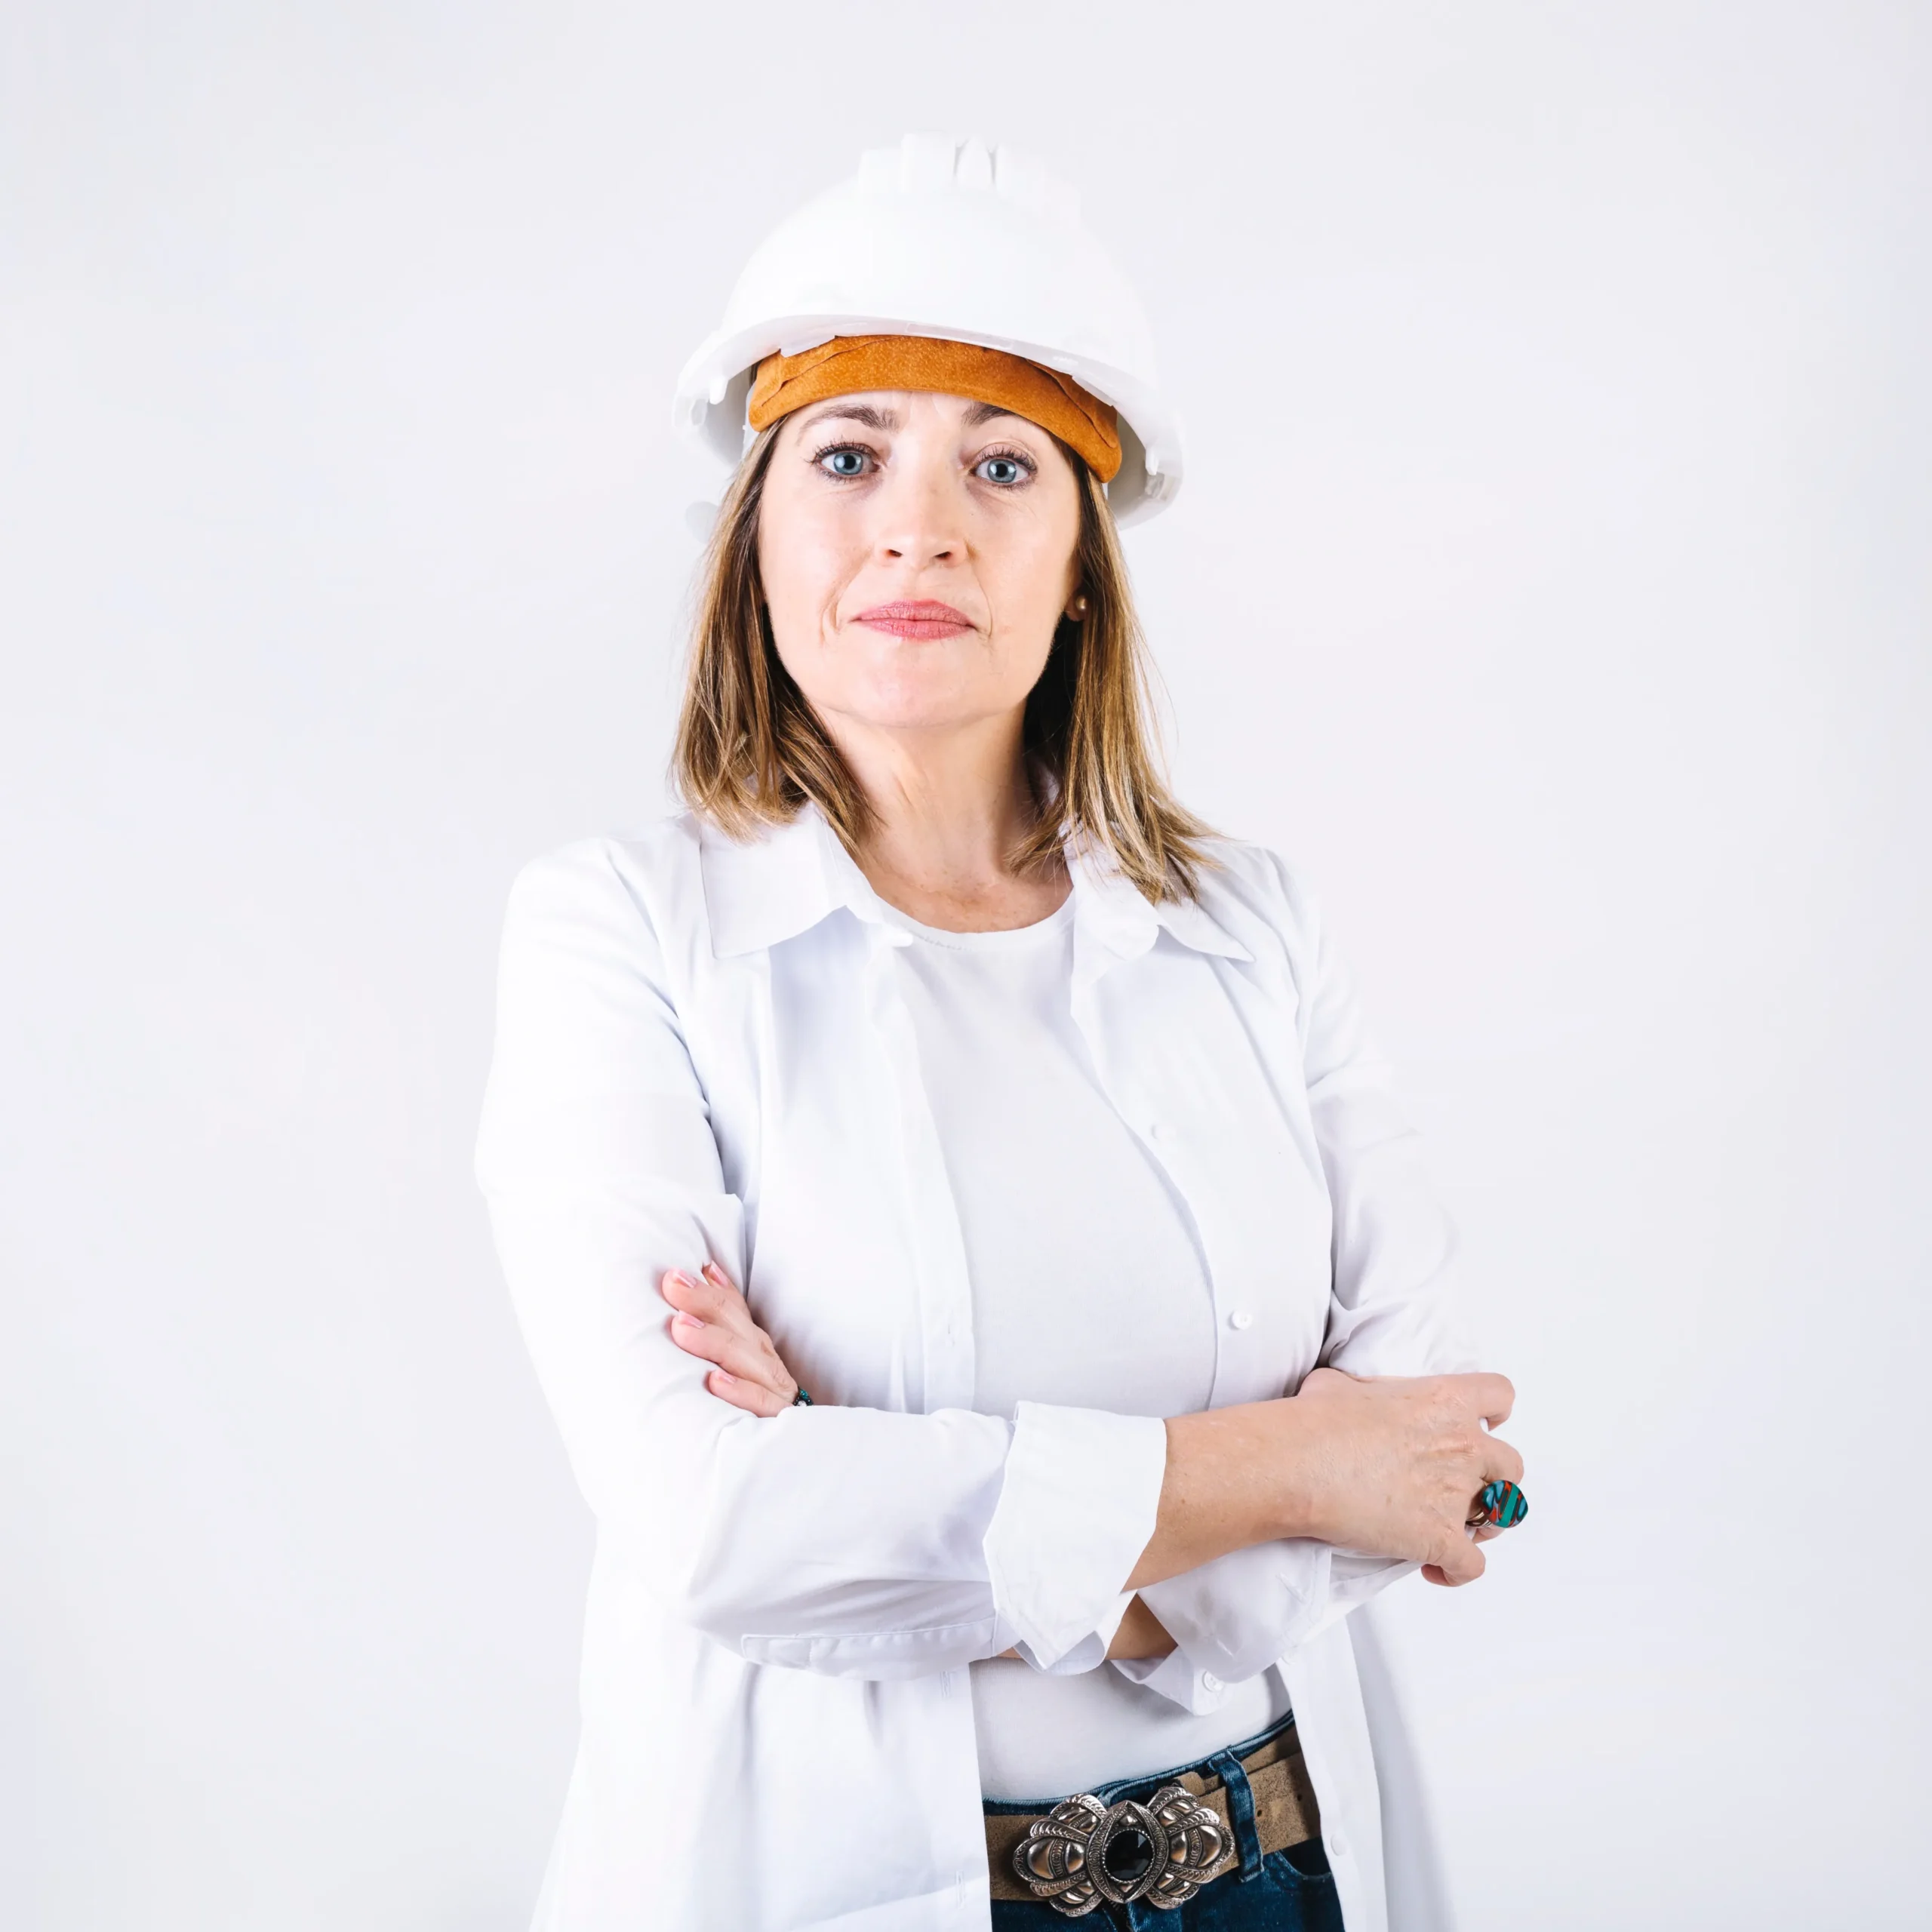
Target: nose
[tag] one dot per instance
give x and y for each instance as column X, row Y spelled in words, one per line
column 918, row 516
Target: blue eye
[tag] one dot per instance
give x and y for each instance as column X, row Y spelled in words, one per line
column 845, row 461
column 1005, row 470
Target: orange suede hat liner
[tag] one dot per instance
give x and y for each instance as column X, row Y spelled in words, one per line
column 849, row 364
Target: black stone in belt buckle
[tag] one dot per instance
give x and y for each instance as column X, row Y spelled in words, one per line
column 1083, row 1851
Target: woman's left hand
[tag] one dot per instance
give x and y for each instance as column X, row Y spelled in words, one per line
column 712, row 1321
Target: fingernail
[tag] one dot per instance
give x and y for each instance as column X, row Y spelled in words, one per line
column 722, row 1375
column 689, row 1321
column 683, row 1280
column 716, row 1273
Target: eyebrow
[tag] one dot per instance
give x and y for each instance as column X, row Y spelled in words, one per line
column 886, row 420
column 873, row 418
column 985, row 412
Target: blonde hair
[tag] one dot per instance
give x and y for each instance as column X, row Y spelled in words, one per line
column 750, row 751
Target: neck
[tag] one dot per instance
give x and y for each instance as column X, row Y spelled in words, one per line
column 950, row 810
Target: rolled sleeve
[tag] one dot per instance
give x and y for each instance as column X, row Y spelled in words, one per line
column 1081, row 1492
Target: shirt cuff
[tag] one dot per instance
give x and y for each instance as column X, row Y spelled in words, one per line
column 1353, row 1578
column 1177, row 1678
column 1241, row 1613
column 1091, row 1651
column 1078, row 1505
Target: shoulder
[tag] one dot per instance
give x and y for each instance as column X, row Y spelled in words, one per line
column 651, row 876
column 686, row 893
column 1257, row 896
column 631, row 903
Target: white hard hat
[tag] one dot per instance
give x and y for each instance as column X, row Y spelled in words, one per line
column 940, row 237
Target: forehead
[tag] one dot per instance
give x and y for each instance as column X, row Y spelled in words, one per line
column 889, row 411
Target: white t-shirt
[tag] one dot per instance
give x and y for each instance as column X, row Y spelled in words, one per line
column 1089, row 1289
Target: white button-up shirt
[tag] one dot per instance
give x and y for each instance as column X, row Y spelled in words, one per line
column 703, row 1052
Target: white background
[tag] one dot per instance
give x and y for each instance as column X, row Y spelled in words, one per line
column 1551, row 582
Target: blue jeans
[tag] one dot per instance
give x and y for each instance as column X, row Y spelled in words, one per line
column 1277, row 1891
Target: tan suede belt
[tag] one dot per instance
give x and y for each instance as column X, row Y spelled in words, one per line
column 1284, row 1815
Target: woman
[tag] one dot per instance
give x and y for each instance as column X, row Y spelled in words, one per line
column 1037, row 1125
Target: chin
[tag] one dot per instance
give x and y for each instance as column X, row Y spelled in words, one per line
column 921, row 704
column 925, row 719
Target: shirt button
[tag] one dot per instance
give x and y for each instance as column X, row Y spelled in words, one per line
column 1154, row 1130
column 1209, row 1681
column 1239, row 1318
column 1338, row 1844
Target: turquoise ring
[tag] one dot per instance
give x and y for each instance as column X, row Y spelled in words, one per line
column 1501, row 1504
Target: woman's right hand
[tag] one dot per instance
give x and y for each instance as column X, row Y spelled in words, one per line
column 1388, row 1466
column 711, row 1320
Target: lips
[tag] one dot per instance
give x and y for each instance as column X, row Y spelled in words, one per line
column 922, row 618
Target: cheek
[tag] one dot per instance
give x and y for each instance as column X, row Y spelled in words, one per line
column 1031, row 576
column 804, row 561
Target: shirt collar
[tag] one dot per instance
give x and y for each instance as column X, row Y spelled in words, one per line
column 761, row 893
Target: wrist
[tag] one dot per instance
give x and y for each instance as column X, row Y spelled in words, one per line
column 1264, row 1462
column 1298, row 1490
column 1249, row 1473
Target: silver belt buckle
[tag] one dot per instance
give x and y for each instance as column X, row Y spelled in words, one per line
column 1083, row 1851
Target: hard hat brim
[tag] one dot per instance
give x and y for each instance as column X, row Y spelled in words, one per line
column 712, row 389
